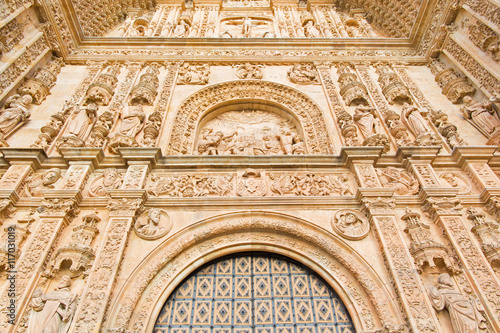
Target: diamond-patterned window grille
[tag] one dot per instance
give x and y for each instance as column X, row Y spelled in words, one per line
column 254, row 293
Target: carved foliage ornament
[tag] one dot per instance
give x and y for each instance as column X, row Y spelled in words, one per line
column 350, row 224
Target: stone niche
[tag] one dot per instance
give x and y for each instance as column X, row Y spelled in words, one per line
column 249, row 128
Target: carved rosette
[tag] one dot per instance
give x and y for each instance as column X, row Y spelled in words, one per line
column 424, row 249
column 38, row 87
column 454, row 86
column 350, row 224
column 102, row 89
column 352, row 90
column 146, row 90
column 79, row 251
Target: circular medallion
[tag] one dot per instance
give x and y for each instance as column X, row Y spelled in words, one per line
column 153, row 224
column 350, row 224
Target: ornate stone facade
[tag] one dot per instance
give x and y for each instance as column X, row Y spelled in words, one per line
column 261, row 165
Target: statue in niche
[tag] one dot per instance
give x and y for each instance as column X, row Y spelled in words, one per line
column 14, row 114
column 413, row 117
column 181, row 29
column 481, row 114
column 465, row 314
column 132, row 123
column 79, row 123
column 303, row 74
column 249, row 132
column 36, row 183
column 193, row 74
column 153, row 224
column 53, row 312
column 365, row 117
column 310, row 30
column 110, row 179
column 245, row 27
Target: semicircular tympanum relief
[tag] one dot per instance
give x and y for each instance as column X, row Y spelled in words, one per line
column 254, row 293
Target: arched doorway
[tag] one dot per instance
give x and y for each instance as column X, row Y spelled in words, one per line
column 254, row 292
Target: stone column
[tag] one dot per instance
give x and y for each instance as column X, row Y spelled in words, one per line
column 125, row 204
column 447, row 213
column 379, row 205
column 55, row 214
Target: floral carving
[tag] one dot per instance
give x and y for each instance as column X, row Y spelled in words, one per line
column 249, row 71
column 303, row 74
column 193, row 74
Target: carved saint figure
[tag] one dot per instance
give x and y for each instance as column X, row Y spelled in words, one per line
column 303, row 74
column 310, row 30
column 35, row 184
column 181, row 29
column 80, row 121
column 247, row 27
column 364, row 116
column 132, row 121
column 481, row 114
column 15, row 113
column 465, row 314
column 111, row 179
column 414, row 119
column 151, row 227
column 53, row 312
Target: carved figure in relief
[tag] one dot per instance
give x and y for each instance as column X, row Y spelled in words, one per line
column 465, row 314
column 303, row 74
column 350, row 224
column 249, row 71
column 132, row 121
column 365, row 118
column 455, row 179
column 401, row 180
column 191, row 185
column 181, row 29
column 309, row 184
column 36, row 183
column 481, row 114
column 310, row 30
column 110, row 179
column 14, row 114
column 193, row 74
column 414, row 119
column 249, row 132
column 153, row 224
column 53, row 312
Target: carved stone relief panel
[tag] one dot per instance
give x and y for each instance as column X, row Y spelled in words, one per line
column 36, row 183
column 236, row 25
column 250, row 183
column 193, row 74
column 457, row 180
column 350, row 224
column 404, row 182
column 250, row 132
column 101, row 183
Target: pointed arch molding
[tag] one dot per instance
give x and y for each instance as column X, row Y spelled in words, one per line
column 301, row 106
column 138, row 304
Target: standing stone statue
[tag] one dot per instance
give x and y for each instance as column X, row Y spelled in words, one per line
column 53, row 312
column 465, row 314
column 481, row 114
column 14, row 114
column 413, row 117
column 364, row 116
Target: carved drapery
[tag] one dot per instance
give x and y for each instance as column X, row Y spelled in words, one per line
column 302, row 107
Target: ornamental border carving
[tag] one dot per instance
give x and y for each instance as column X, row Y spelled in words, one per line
column 192, row 110
column 138, row 304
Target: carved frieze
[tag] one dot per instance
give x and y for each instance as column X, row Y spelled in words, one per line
column 309, row 184
column 350, row 224
column 249, row 71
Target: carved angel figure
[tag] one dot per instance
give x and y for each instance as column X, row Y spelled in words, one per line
column 14, row 114
column 53, row 312
column 465, row 314
column 481, row 114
